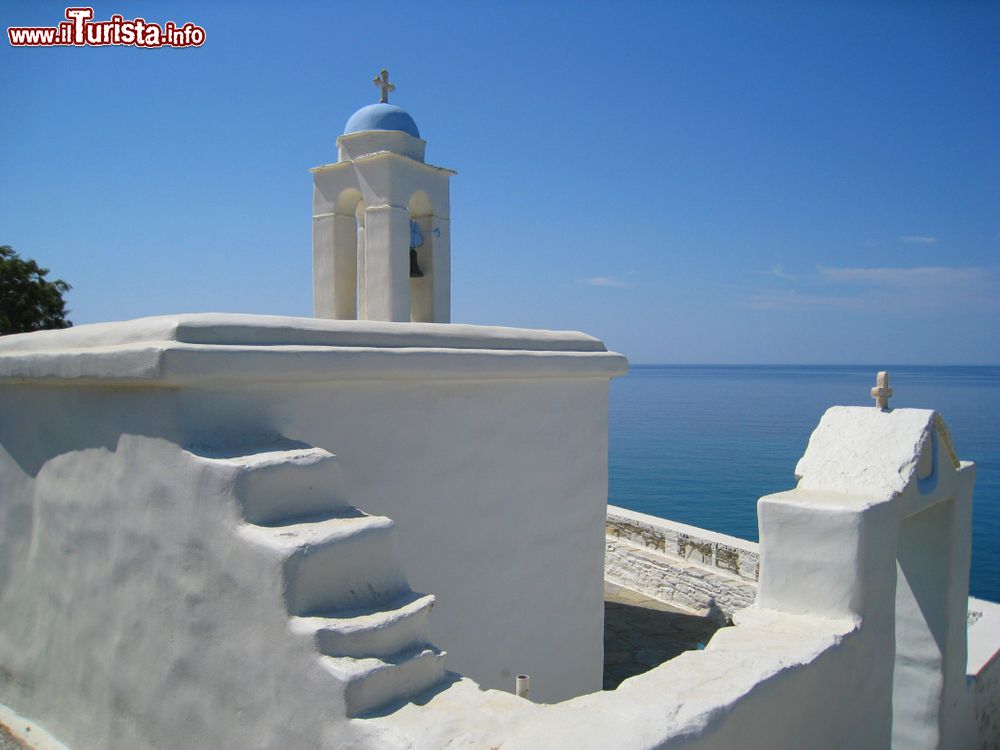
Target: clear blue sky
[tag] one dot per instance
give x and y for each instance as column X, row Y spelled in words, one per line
column 693, row 182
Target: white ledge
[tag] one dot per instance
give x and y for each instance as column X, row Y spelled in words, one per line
column 375, row 156
column 223, row 348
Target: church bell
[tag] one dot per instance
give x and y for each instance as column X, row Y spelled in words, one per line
column 415, row 272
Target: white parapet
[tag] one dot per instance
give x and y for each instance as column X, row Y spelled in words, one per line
column 857, row 638
column 879, row 529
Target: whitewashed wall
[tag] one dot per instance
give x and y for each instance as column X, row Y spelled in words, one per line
column 773, row 681
column 486, row 446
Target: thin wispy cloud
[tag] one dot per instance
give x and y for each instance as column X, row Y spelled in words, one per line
column 779, row 271
column 606, row 281
column 791, row 299
column 918, row 239
column 920, row 276
column 914, row 289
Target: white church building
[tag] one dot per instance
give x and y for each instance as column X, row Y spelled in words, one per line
column 356, row 530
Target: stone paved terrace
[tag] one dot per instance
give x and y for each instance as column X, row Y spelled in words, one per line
column 641, row 633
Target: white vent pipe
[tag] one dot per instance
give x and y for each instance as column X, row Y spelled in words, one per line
column 521, row 686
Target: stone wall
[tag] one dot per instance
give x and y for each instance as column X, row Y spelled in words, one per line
column 712, row 574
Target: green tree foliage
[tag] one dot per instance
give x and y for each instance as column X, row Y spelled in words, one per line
column 28, row 301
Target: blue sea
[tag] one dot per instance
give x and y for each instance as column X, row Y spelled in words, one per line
column 700, row 444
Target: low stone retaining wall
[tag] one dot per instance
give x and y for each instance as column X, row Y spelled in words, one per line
column 711, row 574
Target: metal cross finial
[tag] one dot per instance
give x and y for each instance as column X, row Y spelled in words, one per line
column 382, row 81
column 881, row 392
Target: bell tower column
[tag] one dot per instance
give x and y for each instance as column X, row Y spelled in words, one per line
column 441, row 250
column 387, row 264
column 335, row 257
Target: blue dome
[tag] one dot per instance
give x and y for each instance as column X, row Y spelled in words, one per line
column 381, row 117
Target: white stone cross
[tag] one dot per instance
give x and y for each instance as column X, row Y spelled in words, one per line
column 382, row 82
column 881, row 392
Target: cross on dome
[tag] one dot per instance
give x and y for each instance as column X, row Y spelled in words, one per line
column 382, row 81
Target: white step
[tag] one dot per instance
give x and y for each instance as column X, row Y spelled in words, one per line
column 344, row 562
column 396, row 626
column 277, row 485
column 374, row 683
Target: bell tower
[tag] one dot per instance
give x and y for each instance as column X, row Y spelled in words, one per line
column 381, row 222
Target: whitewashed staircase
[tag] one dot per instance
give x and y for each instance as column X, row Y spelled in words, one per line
column 343, row 584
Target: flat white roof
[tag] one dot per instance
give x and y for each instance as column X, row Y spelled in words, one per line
column 218, row 347
column 984, row 634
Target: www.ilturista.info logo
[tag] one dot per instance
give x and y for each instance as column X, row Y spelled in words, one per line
column 80, row 30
